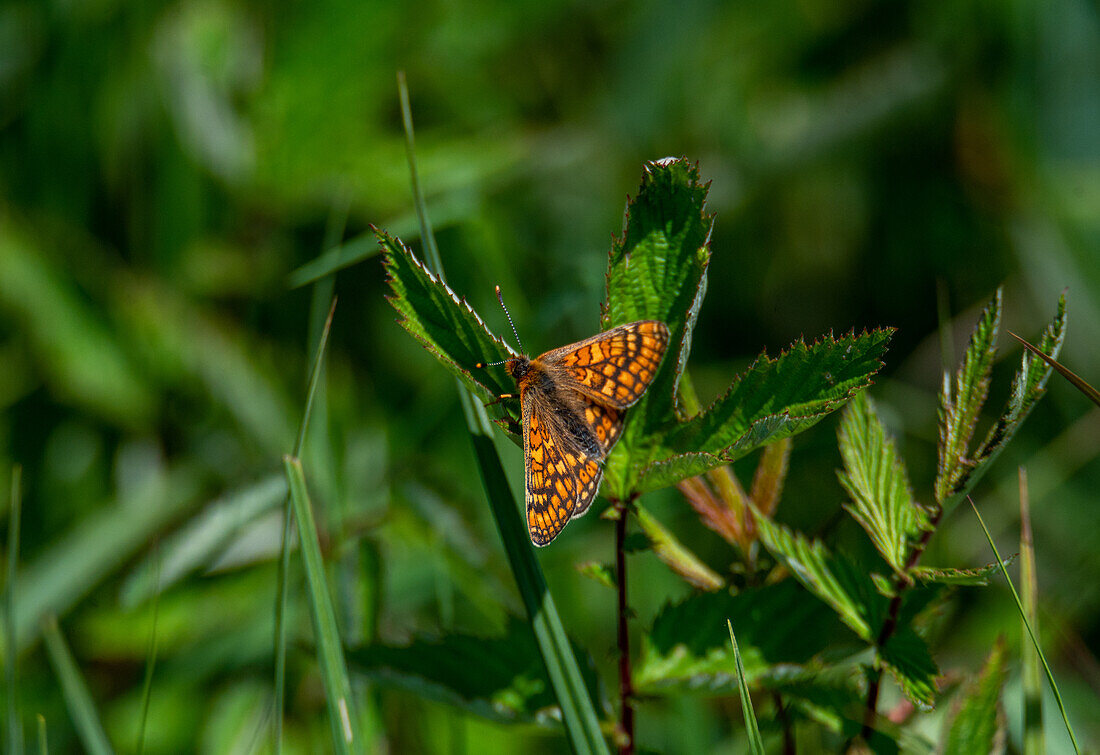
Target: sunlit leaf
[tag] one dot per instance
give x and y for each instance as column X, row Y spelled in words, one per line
column 443, row 323
column 978, row 576
column 875, row 478
column 840, row 583
column 960, row 468
column 910, row 662
column 774, row 399
column 979, row 722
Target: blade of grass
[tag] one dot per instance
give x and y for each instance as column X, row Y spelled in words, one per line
column 281, row 581
column 151, row 654
column 1030, row 630
column 756, row 743
column 42, row 748
column 11, row 648
column 1091, row 393
column 77, row 697
column 330, row 653
column 1034, row 741
column 578, row 712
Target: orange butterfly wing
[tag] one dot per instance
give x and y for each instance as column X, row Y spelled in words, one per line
column 613, row 368
column 550, row 474
column 563, row 446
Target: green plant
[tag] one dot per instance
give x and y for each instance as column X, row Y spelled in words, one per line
column 657, row 270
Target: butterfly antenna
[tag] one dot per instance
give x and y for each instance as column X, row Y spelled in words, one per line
column 482, row 365
column 508, row 314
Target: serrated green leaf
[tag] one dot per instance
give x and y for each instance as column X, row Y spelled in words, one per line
column 833, row 578
column 657, row 271
column 875, row 478
column 976, row 577
column 908, row 659
column 960, row 408
column 830, row 695
column 511, row 684
column 979, row 723
column 445, row 325
column 675, row 555
column 687, row 650
column 960, row 469
column 774, row 399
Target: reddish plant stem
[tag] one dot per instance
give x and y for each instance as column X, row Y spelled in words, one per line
column 785, row 719
column 626, row 684
column 893, row 613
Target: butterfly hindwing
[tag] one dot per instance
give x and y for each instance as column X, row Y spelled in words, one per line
column 549, row 473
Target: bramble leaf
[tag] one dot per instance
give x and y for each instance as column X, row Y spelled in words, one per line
column 657, row 271
column 910, row 662
column 444, row 324
column 960, row 469
column 774, row 399
column 960, row 408
column 510, row 685
column 688, row 649
column 977, row 577
column 875, row 478
column 979, row 721
column 834, row 579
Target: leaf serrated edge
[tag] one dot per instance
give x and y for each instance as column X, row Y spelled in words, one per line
column 851, row 335
column 390, row 244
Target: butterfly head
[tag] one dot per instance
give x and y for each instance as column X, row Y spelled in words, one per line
column 518, row 367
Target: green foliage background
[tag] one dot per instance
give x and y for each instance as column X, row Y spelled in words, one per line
column 165, row 168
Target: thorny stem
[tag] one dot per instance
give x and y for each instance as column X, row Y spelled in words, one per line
column 901, row 584
column 626, row 684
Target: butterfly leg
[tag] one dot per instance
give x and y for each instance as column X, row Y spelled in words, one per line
column 501, row 397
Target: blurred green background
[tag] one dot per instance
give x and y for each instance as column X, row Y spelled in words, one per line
column 165, row 167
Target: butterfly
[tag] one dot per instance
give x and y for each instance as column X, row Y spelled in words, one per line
column 572, row 401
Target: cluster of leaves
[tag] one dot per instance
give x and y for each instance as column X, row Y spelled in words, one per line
column 658, row 270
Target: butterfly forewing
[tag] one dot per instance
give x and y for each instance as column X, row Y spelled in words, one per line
column 616, row 367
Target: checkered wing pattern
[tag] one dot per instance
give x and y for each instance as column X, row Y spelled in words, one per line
column 550, row 476
column 616, row 367
column 572, row 400
column 588, row 476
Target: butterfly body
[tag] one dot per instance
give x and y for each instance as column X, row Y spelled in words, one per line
column 572, row 402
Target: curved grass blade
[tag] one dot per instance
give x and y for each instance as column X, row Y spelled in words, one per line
column 1091, row 393
column 1030, row 631
column 282, row 588
column 330, row 652
column 756, row 744
column 578, row 712
column 77, row 697
column 11, row 648
column 1034, row 737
